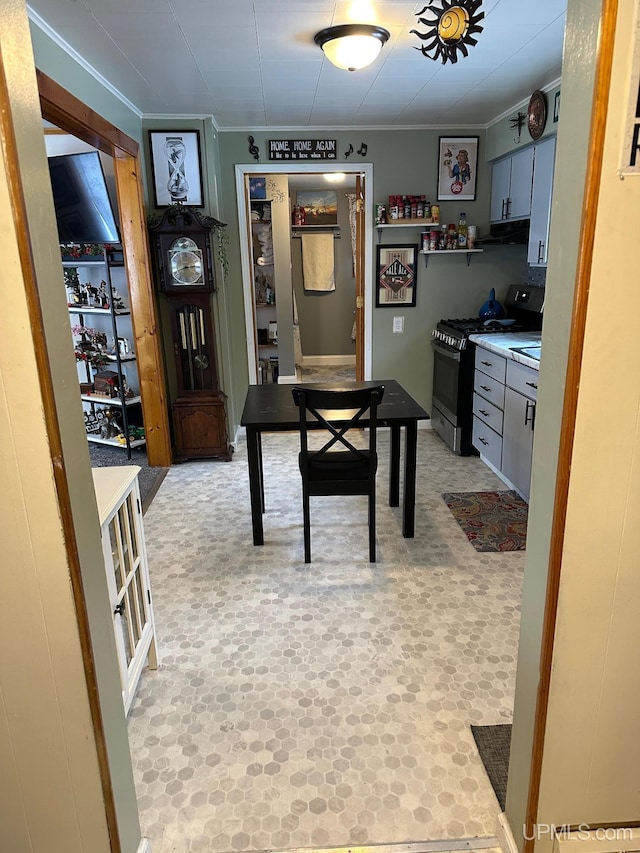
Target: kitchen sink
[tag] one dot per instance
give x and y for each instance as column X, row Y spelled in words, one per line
column 531, row 352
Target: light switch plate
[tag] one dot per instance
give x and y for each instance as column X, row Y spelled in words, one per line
column 398, row 324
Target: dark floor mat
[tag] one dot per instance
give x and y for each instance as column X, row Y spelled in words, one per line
column 494, row 745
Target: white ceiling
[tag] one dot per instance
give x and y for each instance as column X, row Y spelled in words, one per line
column 254, row 65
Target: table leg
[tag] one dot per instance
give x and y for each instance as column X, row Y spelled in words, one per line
column 394, row 467
column 254, row 458
column 410, row 457
column 262, row 504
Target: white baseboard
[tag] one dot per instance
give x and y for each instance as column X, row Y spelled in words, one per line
column 505, row 836
column 327, row 360
column 425, row 425
column 287, row 380
column 144, row 846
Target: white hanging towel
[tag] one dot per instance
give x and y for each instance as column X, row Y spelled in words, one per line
column 317, row 262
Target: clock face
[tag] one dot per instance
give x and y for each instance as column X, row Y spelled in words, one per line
column 185, row 262
column 536, row 115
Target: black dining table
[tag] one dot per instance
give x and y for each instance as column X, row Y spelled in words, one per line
column 270, row 408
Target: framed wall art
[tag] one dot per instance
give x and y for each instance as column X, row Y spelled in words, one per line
column 176, row 167
column 396, row 275
column 457, row 167
column 320, row 206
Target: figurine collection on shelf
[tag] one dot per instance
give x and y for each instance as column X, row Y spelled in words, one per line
column 85, row 294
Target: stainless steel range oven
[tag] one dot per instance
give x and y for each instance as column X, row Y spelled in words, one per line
column 453, row 363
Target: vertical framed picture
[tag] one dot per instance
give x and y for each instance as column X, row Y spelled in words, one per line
column 176, row 167
column 396, row 275
column 556, row 107
column 257, row 188
column 457, row 168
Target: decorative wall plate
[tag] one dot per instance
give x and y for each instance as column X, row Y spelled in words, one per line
column 536, row 114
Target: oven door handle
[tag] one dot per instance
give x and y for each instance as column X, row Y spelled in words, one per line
column 446, row 351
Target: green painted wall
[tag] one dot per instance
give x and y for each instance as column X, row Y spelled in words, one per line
column 326, row 319
column 58, row 65
column 503, row 139
column 210, row 169
column 404, row 162
column 580, row 53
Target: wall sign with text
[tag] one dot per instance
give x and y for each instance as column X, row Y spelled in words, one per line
column 302, row 149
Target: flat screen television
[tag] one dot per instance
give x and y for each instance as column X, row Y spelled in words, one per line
column 81, row 199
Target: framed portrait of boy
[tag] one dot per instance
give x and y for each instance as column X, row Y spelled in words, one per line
column 457, row 168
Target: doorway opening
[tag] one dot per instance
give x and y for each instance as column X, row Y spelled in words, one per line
column 281, row 175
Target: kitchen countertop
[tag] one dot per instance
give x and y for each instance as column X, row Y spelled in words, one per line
column 502, row 345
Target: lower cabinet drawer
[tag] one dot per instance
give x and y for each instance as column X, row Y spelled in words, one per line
column 491, row 364
column 487, row 442
column 523, row 379
column 489, row 388
column 487, row 412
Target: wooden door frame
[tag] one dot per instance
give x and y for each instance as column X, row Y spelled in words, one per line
column 366, row 172
column 70, row 114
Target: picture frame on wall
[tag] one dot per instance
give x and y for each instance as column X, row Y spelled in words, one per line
column 457, row 168
column 396, row 275
column 176, row 167
column 320, row 206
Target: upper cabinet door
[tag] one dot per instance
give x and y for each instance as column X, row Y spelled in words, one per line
column 500, row 187
column 541, row 202
column 521, row 184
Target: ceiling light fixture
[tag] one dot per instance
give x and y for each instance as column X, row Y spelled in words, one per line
column 352, row 46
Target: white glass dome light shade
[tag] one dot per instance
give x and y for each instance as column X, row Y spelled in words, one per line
column 352, row 46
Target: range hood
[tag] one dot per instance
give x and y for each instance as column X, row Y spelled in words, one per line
column 508, row 233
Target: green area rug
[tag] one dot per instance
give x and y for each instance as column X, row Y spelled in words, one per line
column 492, row 521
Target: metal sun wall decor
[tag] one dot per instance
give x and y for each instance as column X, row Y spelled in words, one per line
column 450, row 29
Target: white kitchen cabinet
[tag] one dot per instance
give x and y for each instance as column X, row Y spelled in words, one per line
column 517, row 440
column 504, row 405
column 488, row 404
column 511, row 185
column 500, row 188
column 125, row 564
column 520, row 397
column 541, row 202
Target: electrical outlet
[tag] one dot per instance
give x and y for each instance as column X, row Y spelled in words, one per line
column 398, row 324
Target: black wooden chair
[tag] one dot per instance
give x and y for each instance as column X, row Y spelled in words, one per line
column 347, row 470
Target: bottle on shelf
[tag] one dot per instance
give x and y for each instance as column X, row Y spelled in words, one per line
column 462, row 231
column 298, row 216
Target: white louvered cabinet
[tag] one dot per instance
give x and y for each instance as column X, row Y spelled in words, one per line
column 126, row 567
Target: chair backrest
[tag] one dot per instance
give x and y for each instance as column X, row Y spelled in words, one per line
column 337, row 410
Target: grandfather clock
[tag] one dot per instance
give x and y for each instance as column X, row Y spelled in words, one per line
column 181, row 249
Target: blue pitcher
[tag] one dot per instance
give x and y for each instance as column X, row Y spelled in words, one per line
column 492, row 309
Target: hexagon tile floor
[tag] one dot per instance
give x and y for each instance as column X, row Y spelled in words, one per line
column 326, row 704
